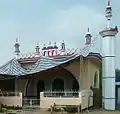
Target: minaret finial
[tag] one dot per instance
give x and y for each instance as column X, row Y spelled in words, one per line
column 108, row 2
column 17, row 46
column 88, row 29
column 108, row 13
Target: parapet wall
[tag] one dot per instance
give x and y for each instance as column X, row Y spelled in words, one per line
column 12, row 100
column 84, row 99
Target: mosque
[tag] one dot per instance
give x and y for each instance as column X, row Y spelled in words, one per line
column 56, row 70
column 52, row 68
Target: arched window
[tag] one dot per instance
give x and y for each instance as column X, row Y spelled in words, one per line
column 58, row 87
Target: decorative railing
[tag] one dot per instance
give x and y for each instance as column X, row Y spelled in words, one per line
column 31, row 103
column 61, row 93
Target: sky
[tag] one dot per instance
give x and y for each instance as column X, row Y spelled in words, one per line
column 44, row 21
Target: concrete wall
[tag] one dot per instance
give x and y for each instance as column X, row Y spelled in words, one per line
column 11, row 100
column 85, row 76
column 83, row 99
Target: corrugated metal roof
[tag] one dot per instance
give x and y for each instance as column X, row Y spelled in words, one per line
column 13, row 67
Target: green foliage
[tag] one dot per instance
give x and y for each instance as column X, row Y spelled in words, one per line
column 0, row 107
column 117, row 71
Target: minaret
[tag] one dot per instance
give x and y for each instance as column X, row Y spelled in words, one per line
column 88, row 37
column 17, row 50
column 108, row 62
column 63, row 46
column 37, row 50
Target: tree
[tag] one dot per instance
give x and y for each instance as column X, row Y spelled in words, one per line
column 117, row 71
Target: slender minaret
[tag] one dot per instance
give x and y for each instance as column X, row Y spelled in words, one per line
column 17, row 50
column 37, row 50
column 63, row 46
column 108, row 62
column 88, row 37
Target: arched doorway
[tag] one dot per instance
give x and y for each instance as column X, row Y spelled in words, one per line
column 40, row 87
column 58, row 84
column 58, row 87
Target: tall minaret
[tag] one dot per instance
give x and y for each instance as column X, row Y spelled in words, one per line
column 108, row 62
column 17, row 50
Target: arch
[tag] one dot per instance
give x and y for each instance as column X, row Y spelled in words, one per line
column 75, row 79
column 58, row 84
column 75, row 87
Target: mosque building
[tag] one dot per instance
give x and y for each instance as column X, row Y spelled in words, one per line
column 56, row 69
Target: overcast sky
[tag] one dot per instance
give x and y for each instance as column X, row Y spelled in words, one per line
column 41, row 21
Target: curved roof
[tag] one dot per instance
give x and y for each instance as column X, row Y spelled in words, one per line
column 13, row 68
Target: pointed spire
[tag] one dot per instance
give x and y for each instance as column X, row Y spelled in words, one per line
column 88, row 29
column 108, row 13
column 17, row 46
column 108, row 2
